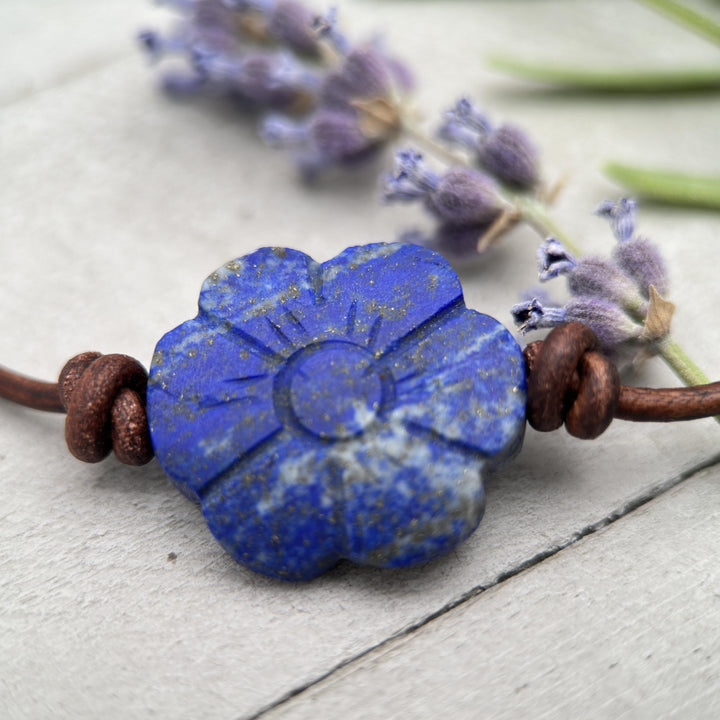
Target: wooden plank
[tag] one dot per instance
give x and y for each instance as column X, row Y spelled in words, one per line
column 44, row 43
column 115, row 204
column 622, row 624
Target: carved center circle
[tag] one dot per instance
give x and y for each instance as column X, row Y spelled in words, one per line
column 334, row 392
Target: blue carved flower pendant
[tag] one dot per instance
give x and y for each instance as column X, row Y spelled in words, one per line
column 336, row 410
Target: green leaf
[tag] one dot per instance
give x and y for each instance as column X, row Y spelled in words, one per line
column 667, row 186
column 612, row 80
column 691, row 19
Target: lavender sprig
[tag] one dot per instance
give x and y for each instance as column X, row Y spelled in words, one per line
column 505, row 152
column 348, row 103
column 340, row 102
column 619, row 298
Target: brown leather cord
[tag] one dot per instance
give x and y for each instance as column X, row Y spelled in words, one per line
column 569, row 382
column 104, row 397
column 29, row 392
column 669, row 404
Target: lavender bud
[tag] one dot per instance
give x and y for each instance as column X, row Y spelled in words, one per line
column 621, row 215
column 466, row 113
column 363, row 75
column 455, row 243
column 292, row 22
column 400, row 73
column 326, row 28
column 612, row 326
column 334, row 92
column 464, row 125
column 508, row 154
column 366, row 73
column 267, row 78
column 456, row 134
column 458, row 242
column 641, row 260
column 326, row 138
column 553, row 260
column 211, row 14
column 597, row 277
column 337, row 136
column 463, row 197
column 411, row 178
column 279, row 132
column 532, row 315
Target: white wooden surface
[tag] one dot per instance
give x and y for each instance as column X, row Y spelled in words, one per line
column 115, row 203
column 622, row 624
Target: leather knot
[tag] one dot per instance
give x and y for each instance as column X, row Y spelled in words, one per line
column 104, row 397
column 568, row 381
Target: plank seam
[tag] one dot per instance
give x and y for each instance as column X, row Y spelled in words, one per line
column 626, row 509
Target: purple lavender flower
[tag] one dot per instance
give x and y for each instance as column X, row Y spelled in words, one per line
column 287, row 21
column 637, row 257
column 611, row 325
column 509, row 155
column 642, row 261
column 603, row 317
column 363, row 74
column 326, row 138
column 460, row 198
column 465, row 197
column 589, row 276
column 353, row 108
column 292, row 23
column 532, row 315
column 553, row 260
column 205, row 25
column 621, row 215
column 464, row 123
column 411, row 178
column 505, row 152
column 354, row 119
column 272, row 79
column 609, row 295
column 326, row 28
column 214, row 35
column 597, row 277
column 458, row 242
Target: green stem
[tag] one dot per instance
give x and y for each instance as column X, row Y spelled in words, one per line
column 613, row 80
column 691, row 19
column 422, row 138
column 668, row 186
column 680, row 363
column 537, row 215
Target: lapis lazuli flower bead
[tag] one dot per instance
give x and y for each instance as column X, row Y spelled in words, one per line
column 338, row 410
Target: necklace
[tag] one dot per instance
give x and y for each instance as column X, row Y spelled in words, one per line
column 190, row 163
column 343, row 410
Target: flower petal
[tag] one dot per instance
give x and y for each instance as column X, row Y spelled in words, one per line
column 408, row 498
column 277, row 511
column 464, row 379
column 389, row 498
column 377, row 294
column 209, row 401
column 267, row 296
